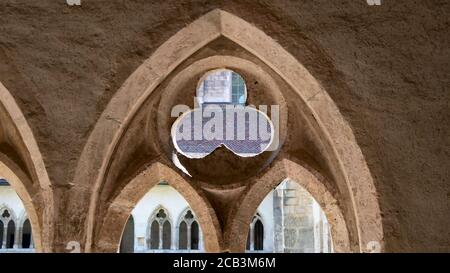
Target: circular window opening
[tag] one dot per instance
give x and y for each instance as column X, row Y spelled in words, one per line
column 222, row 86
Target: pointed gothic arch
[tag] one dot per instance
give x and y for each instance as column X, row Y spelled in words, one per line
column 28, row 177
column 363, row 215
column 108, row 236
column 307, row 178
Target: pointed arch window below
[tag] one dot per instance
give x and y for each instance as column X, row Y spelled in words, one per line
column 154, row 235
column 188, row 232
column 26, row 234
column 10, row 234
column 258, row 232
column 167, row 235
column 160, row 233
column 194, row 235
column 255, row 236
column 182, row 235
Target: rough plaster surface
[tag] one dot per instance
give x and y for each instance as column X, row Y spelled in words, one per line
column 386, row 67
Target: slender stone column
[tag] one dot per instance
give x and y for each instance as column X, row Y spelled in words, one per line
column 161, row 233
column 17, row 233
column 173, row 237
column 200, row 240
column 189, row 236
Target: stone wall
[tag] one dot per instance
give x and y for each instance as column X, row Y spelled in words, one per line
column 300, row 223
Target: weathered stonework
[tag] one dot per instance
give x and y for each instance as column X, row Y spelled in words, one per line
column 299, row 224
column 363, row 90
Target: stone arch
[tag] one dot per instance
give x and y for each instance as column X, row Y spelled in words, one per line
column 258, row 216
column 347, row 159
column 29, row 179
column 108, row 237
column 285, row 168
